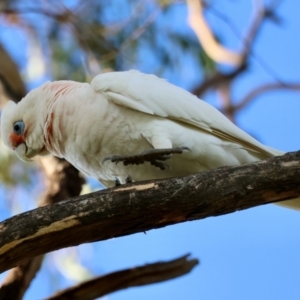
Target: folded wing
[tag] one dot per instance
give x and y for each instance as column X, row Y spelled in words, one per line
column 152, row 95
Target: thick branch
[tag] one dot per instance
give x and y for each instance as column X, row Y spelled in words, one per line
column 12, row 84
column 147, row 274
column 147, row 205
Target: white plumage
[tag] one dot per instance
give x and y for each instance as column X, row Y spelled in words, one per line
column 124, row 113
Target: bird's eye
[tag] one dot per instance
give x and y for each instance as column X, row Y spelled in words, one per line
column 19, row 127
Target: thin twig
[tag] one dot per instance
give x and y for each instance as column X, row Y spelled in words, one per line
column 141, row 29
column 60, row 17
column 239, row 35
column 265, row 88
column 220, row 78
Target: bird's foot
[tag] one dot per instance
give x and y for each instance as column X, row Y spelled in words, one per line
column 117, row 182
column 154, row 156
column 128, row 179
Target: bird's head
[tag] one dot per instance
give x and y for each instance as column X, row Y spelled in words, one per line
column 20, row 128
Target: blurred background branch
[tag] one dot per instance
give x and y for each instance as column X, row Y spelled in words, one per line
column 188, row 42
column 138, row 276
column 206, row 37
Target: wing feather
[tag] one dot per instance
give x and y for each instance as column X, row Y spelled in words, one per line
column 152, row 95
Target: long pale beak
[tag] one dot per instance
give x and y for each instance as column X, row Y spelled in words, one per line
column 21, row 152
column 24, row 153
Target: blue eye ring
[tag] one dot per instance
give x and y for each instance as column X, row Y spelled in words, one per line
column 19, row 127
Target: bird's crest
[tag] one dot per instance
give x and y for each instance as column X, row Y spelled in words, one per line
column 60, row 88
column 55, row 91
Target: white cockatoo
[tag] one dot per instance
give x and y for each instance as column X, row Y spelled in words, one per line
column 128, row 117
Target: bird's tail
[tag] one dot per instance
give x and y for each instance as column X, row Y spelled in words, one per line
column 292, row 204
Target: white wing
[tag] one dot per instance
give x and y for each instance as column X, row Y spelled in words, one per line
column 155, row 96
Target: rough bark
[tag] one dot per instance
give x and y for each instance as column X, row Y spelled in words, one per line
column 147, row 205
column 143, row 275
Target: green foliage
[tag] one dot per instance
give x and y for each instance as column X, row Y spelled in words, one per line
column 113, row 35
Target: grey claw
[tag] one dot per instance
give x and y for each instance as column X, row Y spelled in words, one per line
column 159, row 164
column 128, row 179
column 117, row 182
column 106, row 158
column 183, row 148
column 186, row 148
column 154, row 156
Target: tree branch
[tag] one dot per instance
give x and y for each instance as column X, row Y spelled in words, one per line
column 262, row 89
column 19, row 278
column 220, row 78
column 62, row 181
column 147, row 274
column 213, row 49
column 13, row 86
column 147, row 205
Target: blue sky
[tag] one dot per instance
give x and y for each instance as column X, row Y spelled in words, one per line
column 252, row 254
